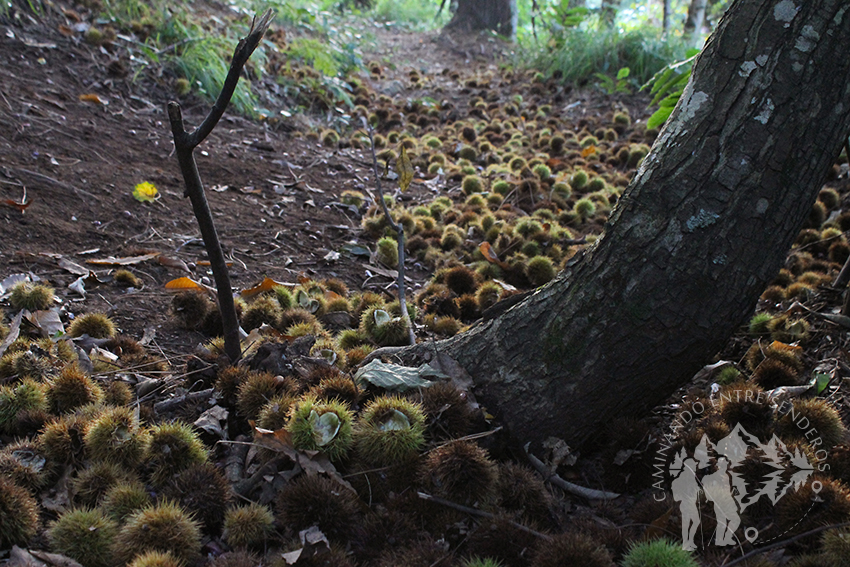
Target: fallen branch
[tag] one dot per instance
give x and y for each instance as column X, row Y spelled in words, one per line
column 184, row 145
column 479, row 513
column 553, row 478
column 168, row 405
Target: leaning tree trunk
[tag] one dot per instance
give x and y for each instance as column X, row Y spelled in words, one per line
column 702, row 228
column 696, row 17
column 496, row 15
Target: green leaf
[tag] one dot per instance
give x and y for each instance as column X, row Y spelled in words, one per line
column 821, row 381
column 325, row 427
column 659, row 117
column 623, row 73
column 397, row 378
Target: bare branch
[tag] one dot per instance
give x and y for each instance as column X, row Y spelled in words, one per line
column 185, row 144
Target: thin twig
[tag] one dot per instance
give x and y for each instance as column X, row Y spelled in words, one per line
column 589, row 493
column 479, row 513
column 783, row 542
column 399, row 228
column 167, row 405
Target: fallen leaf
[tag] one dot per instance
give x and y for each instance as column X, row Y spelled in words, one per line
column 312, row 462
column 93, row 98
column 267, row 284
column 21, row 207
column 490, row 254
column 589, row 150
column 184, row 283
column 170, row 262
column 11, row 281
column 396, row 378
column 658, row 527
column 14, row 331
column 145, row 192
column 405, row 170
column 48, row 322
column 34, row 558
column 72, row 267
column 126, row 261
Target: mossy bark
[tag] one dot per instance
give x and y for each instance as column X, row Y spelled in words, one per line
column 701, row 230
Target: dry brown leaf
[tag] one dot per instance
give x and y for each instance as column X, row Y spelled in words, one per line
column 15, row 205
column 312, row 462
column 93, row 98
column 658, row 527
column 490, row 254
column 126, row 261
column 183, row 284
column 267, row 284
column 171, row 262
column 73, row 267
column 12, row 335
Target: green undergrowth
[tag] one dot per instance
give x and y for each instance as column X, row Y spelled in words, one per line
column 576, row 54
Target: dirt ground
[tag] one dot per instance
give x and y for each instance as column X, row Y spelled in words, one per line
column 274, row 196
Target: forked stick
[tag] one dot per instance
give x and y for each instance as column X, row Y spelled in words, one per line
column 184, row 145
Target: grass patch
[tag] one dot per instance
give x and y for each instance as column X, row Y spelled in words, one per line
column 579, row 53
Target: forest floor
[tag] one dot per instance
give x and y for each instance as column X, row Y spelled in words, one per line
column 276, row 193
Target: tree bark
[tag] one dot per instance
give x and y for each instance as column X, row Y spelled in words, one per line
column 474, row 15
column 608, row 11
column 696, row 17
column 665, row 18
column 700, row 231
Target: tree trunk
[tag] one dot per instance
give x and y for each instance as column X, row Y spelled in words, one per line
column 696, row 17
column 697, row 235
column 608, row 11
column 665, row 19
column 496, row 15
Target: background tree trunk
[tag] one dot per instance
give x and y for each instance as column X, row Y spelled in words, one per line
column 696, row 17
column 665, row 20
column 497, row 15
column 701, row 230
column 608, row 11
